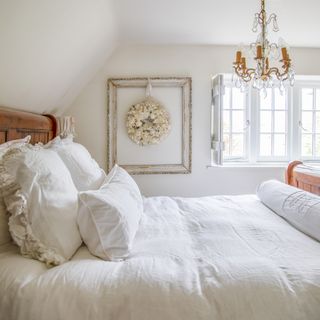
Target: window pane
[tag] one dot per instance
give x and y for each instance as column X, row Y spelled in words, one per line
column 265, row 144
column 318, row 145
column 265, row 121
column 237, row 145
column 318, row 98
column 280, row 121
column 226, row 98
column 307, row 99
column 237, row 121
column 237, row 98
column 279, row 99
column 226, row 121
column 279, row 145
column 307, row 120
column 318, row 121
column 266, row 102
column 226, row 140
column 306, row 145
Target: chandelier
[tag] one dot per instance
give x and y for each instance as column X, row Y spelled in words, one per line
column 264, row 53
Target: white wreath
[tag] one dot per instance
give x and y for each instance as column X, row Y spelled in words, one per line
column 148, row 122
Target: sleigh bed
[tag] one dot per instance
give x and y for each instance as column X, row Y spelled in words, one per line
column 218, row 257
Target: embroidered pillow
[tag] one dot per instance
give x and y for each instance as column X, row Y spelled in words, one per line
column 109, row 217
column 42, row 201
column 86, row 173
column 298, row 207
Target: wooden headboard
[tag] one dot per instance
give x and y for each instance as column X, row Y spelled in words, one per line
column 18, row 124
column 303, row 177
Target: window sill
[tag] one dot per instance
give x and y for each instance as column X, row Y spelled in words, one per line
column 250, row 165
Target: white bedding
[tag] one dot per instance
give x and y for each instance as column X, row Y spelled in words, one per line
column 203, row 258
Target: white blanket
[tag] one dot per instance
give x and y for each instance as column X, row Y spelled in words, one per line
column 203, row 258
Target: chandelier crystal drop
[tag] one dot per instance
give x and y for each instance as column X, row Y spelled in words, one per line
column 264, row 53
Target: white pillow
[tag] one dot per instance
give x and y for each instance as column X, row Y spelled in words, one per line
column 109, row 217
column 86, row 173
column 40, row 195
column 4, row 217
column 300, row 208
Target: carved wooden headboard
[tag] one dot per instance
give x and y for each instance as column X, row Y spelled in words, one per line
column 18, row 124
column 303, row 177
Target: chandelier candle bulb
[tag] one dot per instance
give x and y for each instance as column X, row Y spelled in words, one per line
column 238, row 57
column 259, row 52
column 243, row 61
column 284, row 53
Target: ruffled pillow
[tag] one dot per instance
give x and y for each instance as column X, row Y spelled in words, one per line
column 4, row 217
column 40, row 196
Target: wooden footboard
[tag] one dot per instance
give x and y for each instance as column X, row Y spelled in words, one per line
column 303, row 177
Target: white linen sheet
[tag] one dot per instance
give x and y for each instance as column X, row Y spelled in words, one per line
column 200, row 258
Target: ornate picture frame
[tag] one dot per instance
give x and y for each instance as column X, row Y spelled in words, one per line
column 183, row 85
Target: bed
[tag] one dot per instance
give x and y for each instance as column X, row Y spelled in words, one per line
column 219, row 257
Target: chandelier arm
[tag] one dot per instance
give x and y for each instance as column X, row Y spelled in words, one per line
column 281, row 76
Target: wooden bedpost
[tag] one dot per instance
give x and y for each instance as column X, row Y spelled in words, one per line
column 289, row 173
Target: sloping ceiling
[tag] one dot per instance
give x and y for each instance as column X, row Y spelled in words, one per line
column 50, row 49
column 214, row 21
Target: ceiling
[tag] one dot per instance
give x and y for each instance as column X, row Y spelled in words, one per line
column 50, row 49
column 214, row 21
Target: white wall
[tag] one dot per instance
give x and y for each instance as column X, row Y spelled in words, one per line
column 50, row 49
column 199, row 62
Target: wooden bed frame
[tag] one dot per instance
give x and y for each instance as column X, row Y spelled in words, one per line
column 43, row 128
column 303, row 177
column 18, row 124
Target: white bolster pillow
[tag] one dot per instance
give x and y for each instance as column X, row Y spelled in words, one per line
column 298, row 207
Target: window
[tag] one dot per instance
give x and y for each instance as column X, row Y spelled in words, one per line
column 258, row 128
column 235, row 134
column 310, row 122
column 273, row 125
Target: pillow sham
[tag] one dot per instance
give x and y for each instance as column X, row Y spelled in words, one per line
column 40, row 196
column 109, row 217
column 4, row 217
column 11, row 143
column 298, row 207
column 85, row 172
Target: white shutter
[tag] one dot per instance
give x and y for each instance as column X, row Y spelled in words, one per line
column 216, row 120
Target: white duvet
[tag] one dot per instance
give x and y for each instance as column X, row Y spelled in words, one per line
column 202, row 258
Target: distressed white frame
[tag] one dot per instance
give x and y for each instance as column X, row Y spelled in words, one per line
column 184, row 84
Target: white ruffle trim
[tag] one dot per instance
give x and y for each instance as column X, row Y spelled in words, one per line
column 19, row 224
